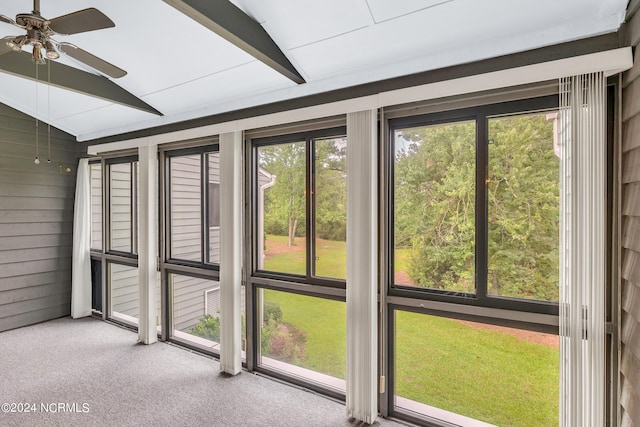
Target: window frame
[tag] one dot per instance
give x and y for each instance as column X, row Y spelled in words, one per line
column 107, row 243
column 102, row 205
column 481, row 114
column 202, row 151
column 309, row 138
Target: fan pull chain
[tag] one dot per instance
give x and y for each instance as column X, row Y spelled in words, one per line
column 48, row 109
column 37, row 160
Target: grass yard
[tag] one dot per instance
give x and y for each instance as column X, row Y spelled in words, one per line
column 488, row 375
column 324, row 322
column 485, row 374
column 331, row 256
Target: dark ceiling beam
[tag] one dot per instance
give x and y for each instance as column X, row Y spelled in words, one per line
column 65, row 77
column 229, row 22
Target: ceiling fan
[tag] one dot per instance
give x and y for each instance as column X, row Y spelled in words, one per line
column 40, row 30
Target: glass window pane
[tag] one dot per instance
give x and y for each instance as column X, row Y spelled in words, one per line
column 96, row 205
column 213, row 196
column 450, row 369
column 434, row 206
column 304, row 336
column 195, row 310
column 523, row 207
column 282, row 208
column 123, row 281
column 186, row 207
column 330, row 192
column 120, row 207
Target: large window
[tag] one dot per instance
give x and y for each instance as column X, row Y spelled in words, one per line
column 124, row 292
column 194, row 205
column 523, row 205
column 476, row 207
column 302, row 210
column 299, row 269
column 304, row 336
column 192, row 246
column 473, row 222
column 434, row 200
column 195, row 310
column 454, row 370
column 123, row 205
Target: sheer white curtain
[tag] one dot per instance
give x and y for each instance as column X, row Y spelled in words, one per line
column 582, row 248
column 81, row 264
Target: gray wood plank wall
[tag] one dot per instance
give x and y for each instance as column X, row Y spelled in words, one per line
column 630, row 336
column 36, row 221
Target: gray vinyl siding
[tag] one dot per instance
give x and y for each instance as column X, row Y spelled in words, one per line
column 214, row 232
column 120, row 205
column 96, row 206
column 186, row 236
column 186, row 208
column 36, row 222
column 125, row 298
column 189, row 300
column 630, row 304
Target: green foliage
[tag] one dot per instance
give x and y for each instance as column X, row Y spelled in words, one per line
column 285, row 200
column 280, row 340
column 331, row 189
column 273, row 311
column 208, row 328
column 435, row 206
column 523, row 195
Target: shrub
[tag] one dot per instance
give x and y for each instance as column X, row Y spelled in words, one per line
column 208, row 328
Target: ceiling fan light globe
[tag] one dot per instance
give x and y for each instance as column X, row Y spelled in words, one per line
column 52, row 53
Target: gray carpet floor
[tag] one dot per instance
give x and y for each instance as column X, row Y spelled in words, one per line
column 102, row 377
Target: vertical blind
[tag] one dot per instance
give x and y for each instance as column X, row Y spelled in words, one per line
column 582, row 247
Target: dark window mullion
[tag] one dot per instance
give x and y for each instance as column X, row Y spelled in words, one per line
column 310, row 205
column 204, row 209
column 134, row 206
column 482, row 165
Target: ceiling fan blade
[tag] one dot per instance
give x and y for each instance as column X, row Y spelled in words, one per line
column 81, row 21
column 8, row 20
column 91, row 60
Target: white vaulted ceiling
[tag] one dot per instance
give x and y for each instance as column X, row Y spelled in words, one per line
column 186, row 71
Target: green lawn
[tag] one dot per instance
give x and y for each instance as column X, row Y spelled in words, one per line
column 331, row 256
column 324, row 322
column 489, row 375
column 483, row 374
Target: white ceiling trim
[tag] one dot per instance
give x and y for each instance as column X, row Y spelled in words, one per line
column 614, row 61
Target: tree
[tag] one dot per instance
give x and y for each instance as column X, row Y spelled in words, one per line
column 435, row 206
column 524, row 211
column 208, row 327
column 330, row 176
column 285, row 200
